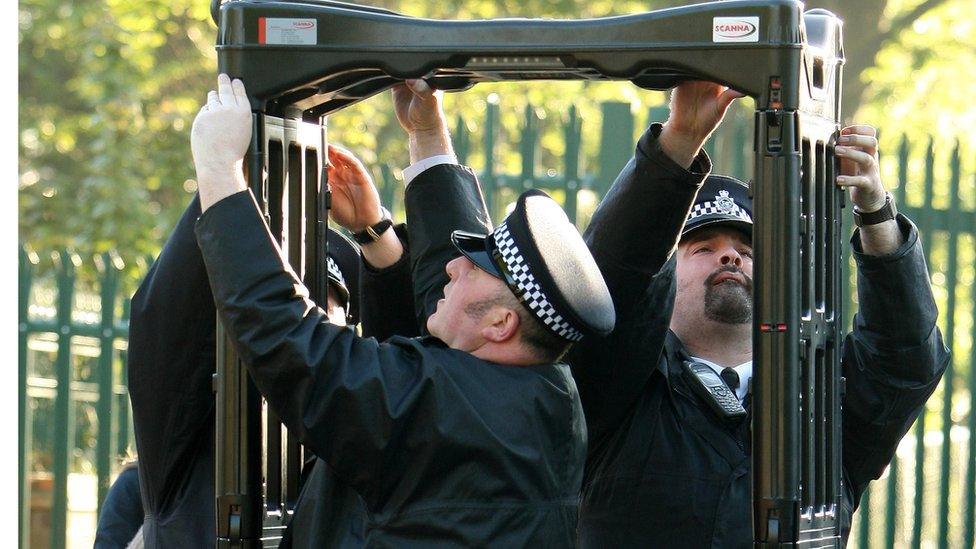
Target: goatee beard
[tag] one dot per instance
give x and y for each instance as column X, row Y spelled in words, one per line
column 729, row 302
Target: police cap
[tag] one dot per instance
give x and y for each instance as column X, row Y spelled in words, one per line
column 542, row 258
column 722, row 200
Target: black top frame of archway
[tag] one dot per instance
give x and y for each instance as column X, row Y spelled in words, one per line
column 789, row 62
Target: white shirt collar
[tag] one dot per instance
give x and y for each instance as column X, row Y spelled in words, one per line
column 744, row 370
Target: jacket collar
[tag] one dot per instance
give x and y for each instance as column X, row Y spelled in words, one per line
column 720, row 436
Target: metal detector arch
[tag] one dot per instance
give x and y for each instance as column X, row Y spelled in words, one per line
column 790, row 62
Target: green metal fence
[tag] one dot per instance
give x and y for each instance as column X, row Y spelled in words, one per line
column 925, row 498
column 73, row 405
column 928, row 494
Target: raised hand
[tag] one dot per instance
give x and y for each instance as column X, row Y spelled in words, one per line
column 219, row 139
column 355, row 200
column 420, row 113
column 418, row 107
column 857, row 150
column 697, row 108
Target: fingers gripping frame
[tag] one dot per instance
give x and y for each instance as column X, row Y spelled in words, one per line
column 788, row 61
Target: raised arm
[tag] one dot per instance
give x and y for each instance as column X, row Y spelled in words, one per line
column 386, row 297
column 171, row 361
column 894, row 357
column 356, row 206
column 341, row 394
column 439, row 200
column 637, row 225
column 632, row 235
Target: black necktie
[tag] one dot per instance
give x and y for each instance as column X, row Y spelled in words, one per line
column 731, row 378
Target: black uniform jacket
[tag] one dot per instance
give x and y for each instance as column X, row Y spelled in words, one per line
column 171, row 360
column 329, row 513
column 662, row 470
column 444, row 448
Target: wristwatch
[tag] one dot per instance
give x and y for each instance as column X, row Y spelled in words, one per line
column 372, row 233
column 886, row 212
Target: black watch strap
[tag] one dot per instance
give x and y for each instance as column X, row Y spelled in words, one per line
column 886, row 212
column 372, row 233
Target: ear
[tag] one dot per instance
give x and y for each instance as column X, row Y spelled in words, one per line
column 501, row 325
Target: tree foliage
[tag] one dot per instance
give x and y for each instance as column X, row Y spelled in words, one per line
column 109, row 89
column 921, row 80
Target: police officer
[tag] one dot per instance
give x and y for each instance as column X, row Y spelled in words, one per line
column 663, row 469
column 474, row 435
column 171, row 359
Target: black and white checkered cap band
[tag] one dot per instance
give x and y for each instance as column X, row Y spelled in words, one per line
column 334, row 270
column 530, row 293
column 721, row 206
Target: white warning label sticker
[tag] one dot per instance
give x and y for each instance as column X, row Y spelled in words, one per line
column 735, row 29
column 292, row 32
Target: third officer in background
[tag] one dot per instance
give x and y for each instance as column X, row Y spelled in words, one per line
column 675, row 247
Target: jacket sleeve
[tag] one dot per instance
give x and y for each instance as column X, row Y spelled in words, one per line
column 387, row 297
column 892, row 360
column 170, row 365
column 343, row 395
column 439, row 201
column 632, row 236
